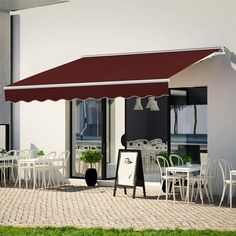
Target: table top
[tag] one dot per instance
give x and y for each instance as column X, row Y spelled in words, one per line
column 233, row 172
column 185, row 168
column 9, row 158
column 32, row 160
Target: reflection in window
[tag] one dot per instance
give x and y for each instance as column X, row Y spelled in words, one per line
column 89, row 126
column 87, row 133
column 188, row 126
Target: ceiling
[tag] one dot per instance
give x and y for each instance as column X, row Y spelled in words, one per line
column 15, row 5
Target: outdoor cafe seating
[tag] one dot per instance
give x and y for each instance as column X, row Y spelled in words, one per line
column 39, row 171
column 190, row 181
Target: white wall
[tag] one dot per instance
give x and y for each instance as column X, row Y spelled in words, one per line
column 57, row 34
column 5, row 68
column 220, row 79
column 42, row 125
column 117, row 126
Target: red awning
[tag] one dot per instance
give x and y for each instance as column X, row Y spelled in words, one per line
column 107, row 76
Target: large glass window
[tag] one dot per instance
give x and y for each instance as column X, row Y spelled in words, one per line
column 188, row 124
column 87, row 133
column 147, row 130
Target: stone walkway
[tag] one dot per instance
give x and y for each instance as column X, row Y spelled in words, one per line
column 96, row 207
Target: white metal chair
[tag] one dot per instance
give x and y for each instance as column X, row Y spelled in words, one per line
column 42, row 167
column 175, row 180
column 14, row 164
column 226, row 166
column 22, row 154
column 210, row 173
column 59, row 165
column 4, row 165
column 175, row 160
column 201, row 182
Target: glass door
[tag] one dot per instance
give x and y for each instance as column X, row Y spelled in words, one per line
column 87, row 133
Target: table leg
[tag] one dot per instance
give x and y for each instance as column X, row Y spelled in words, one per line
column 34, row 176
column 230, row 191
column 19, row 175
column 187, row 191
column 166, row 186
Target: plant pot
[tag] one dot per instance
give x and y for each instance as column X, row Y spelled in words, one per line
column 91, row 176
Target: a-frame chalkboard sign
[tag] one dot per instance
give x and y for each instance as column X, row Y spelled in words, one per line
column 129, row 171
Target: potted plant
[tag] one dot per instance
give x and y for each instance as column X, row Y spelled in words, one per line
column 2, row 151
column 91, row 156
column 188, row 160
column 40, row 153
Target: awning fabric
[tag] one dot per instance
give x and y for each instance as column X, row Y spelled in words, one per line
column 107, row 76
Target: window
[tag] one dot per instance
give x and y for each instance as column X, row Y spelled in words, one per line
column 188, row 127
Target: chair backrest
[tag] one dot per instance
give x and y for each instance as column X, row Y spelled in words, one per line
column 84, row 147
column 13, row 153
column 65, row 156
column 156, row 141
column 144, row 141
column 162, row 163
column 51, row 155
column 175, row 160
column 209, row 167
column 225, row 167
column 203, row 158
column 25, row 154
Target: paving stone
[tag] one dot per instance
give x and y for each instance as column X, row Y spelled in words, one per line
column 81, row 206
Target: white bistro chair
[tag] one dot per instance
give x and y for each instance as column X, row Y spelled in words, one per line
column 43, row 169
column 5, row 165
column 226, row 167
column 201, row 182
column 58, row 167
column 171, row 179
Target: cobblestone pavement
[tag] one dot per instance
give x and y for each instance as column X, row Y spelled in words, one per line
column 81, row 206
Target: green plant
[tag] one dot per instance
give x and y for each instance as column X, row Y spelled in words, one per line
column 3, row 151
column 163, row 154
column 40, row 153
column 188, row 158
column 91, row 156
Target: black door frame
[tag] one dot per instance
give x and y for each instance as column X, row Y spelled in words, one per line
column 104, row 137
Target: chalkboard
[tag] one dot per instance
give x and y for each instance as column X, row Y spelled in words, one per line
column 129, row 171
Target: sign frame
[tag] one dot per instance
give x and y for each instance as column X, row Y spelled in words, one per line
column 138, row 176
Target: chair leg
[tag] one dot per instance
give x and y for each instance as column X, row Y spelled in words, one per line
column 197, row 192
column 52, row 177
column 223, row 194
column 200, row 190
column 26, row 179
column 173, row 186
column 159, row 192
column 210, row 189
column 206, row 191
column 4, row 177
column 192, row 192
column 180, row 188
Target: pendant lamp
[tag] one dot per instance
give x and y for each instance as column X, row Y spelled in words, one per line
column 138, row 105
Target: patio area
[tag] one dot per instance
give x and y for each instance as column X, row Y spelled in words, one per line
column 81, row 206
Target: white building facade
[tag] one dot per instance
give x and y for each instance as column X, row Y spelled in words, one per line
column 50, row 36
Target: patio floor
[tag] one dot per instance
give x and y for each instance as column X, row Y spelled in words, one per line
column 81, row 206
